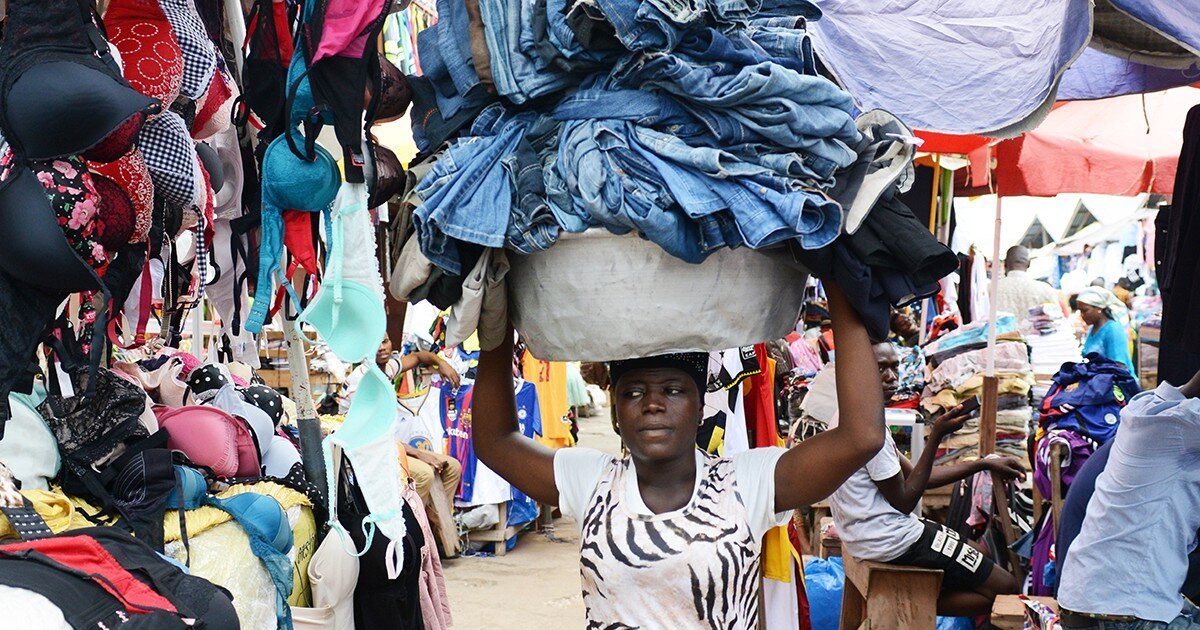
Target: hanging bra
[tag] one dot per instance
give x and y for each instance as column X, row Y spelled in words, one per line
column 289, row 182
column 385, row 176
column 61, row 92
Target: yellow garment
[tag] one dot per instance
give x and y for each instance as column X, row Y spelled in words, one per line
column 777, row 554
column 59, row 512
column 222, row 556
column 304, row 545
column 1009, row 383
column 551, row 382
column 207, row 517
column 304, row 531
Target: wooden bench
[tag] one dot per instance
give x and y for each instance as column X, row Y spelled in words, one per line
column 1008, row 613
column 499, row 533
column 880, row 596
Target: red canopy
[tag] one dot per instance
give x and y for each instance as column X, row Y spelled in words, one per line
column 1124, row 145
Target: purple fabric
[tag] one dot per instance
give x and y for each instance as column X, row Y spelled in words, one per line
column 1079, row 449
column 1041, row 557
column 1098, row 74
column 937, row 65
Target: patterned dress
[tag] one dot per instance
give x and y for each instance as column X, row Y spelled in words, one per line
column 697, row 567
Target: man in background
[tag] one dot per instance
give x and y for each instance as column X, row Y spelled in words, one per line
column 1017, row 291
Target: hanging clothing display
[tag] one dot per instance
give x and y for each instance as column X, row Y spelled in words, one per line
column 550, row 378
column 480, row 485
column 723, row 430
column 420, row 421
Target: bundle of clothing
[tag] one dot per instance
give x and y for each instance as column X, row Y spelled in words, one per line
column 958, row 362
column 163, row 437
column 95, row 577
column 1079, row 414
column 697, row 126
column 1051, row 340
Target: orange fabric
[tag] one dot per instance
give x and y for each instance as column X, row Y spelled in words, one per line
column 550, row 379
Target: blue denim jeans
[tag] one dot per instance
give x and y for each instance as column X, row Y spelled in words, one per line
column 533, row 225
column 651, row 24
column 509, row 26
column 616, row 186
column 446, row 56
column 467, row 196
column 431, row 125
column 641, row 107
column 759, row 103
column 790, row 8
column 733, row 11
column 786, row 41
column 708, row 180
column 560, row 44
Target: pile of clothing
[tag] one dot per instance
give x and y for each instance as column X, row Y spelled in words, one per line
column 95, row 577
column 1079, row 414
column 1051, row 340
column 1086, row 398
column 164, row 435
column 958, row 361
column 697, row 126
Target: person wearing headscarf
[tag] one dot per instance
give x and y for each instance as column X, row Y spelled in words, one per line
column 1106, row 317
column 670, row 535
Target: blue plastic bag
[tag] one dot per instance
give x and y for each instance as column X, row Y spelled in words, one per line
column 955, row 623
column 823, row 582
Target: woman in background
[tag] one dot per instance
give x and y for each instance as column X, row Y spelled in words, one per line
column 1104, row 314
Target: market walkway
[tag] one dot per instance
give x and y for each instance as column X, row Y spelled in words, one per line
column 537, row 584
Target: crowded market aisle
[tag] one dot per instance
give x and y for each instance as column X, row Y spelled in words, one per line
column 536, row 586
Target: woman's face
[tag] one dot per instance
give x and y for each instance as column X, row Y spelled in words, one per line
column 1090, row 314
column 658, row 413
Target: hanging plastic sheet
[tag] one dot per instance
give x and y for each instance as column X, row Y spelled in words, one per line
column 958, row 66
column 1161, row 32
column 1097, row 74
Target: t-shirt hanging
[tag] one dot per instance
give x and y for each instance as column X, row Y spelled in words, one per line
column 723, row 430
column 480, row 485
column 550, row 378
column 419, row 422
column 455, row 411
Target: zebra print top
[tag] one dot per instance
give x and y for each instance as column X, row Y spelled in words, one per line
column 697, row 567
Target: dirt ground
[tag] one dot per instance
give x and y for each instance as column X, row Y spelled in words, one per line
column 536, row 585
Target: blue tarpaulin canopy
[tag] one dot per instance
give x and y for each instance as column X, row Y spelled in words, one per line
column 996, row 68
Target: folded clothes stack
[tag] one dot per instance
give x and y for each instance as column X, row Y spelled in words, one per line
column 959, row 361
column 697, row 124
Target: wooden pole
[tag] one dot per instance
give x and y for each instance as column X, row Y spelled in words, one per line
column 987, row 419
column 300, row 392
column 934, row 206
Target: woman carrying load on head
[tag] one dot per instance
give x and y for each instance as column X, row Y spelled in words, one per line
column 670, row 536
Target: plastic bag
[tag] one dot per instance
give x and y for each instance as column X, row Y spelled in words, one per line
column 823, row 582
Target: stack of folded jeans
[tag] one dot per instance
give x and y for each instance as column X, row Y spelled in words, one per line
column 696, row 124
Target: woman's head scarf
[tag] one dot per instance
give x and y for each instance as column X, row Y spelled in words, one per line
column 1101, row 298
column 694, row 364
